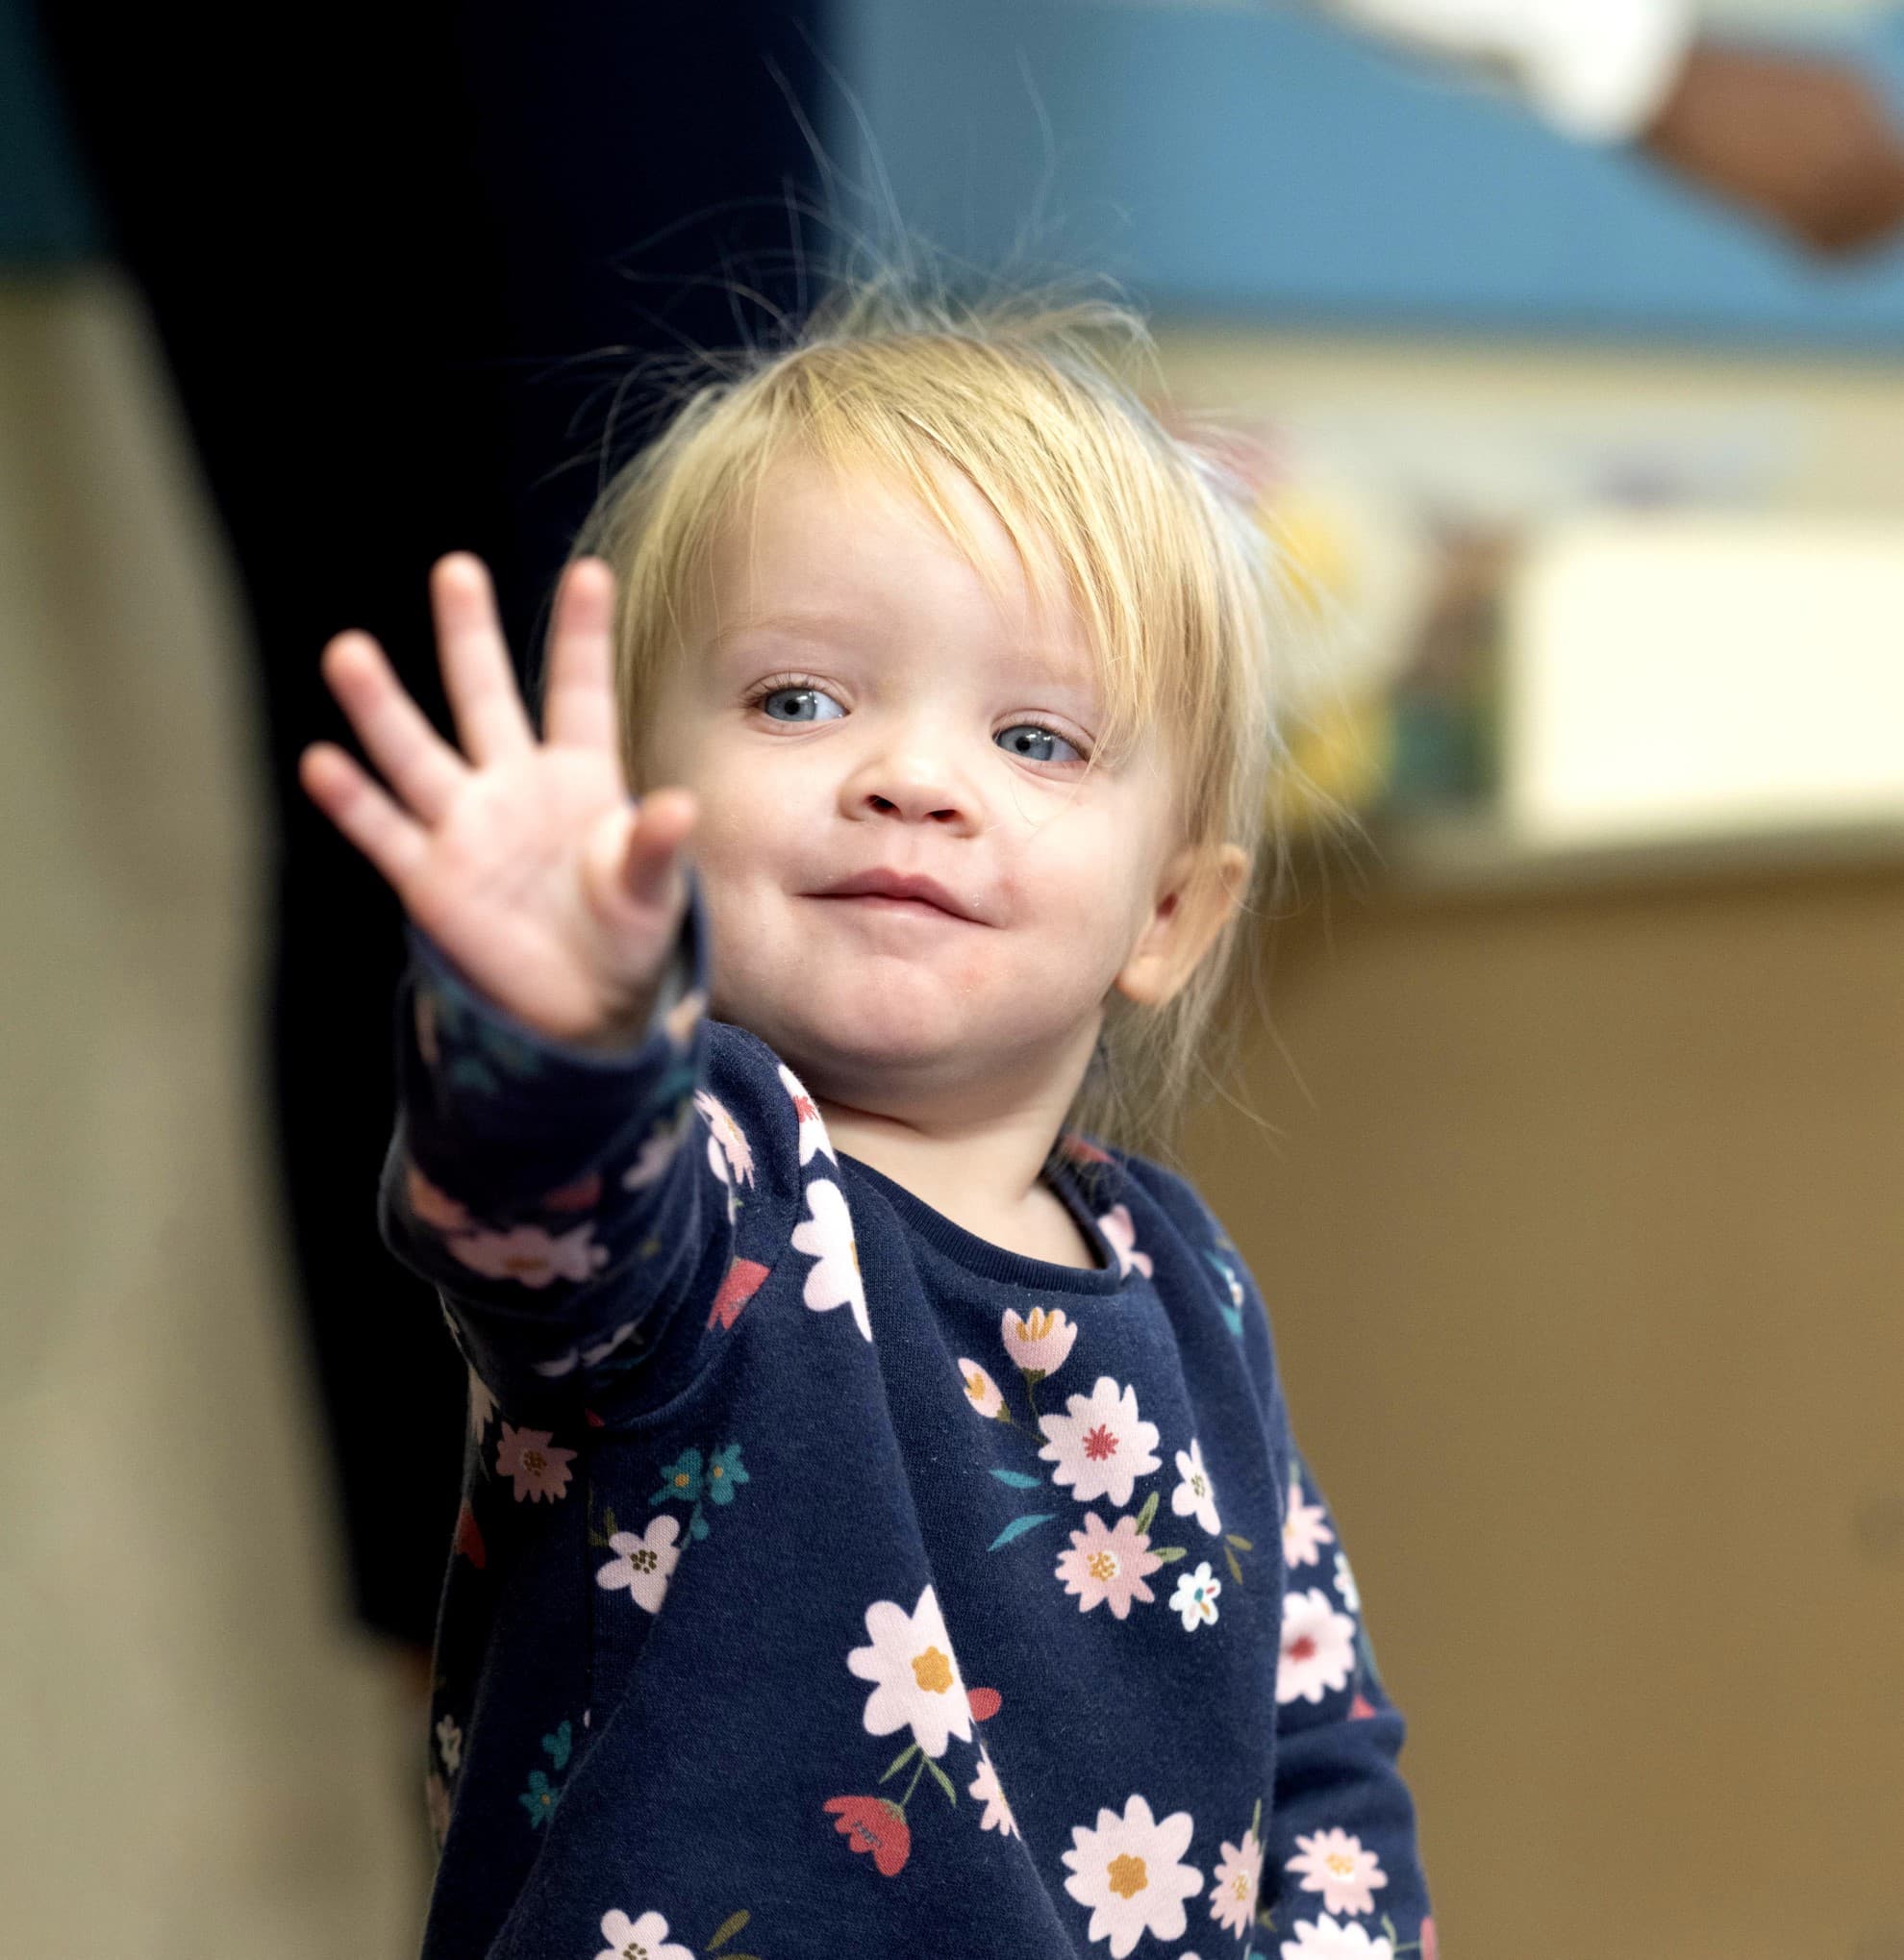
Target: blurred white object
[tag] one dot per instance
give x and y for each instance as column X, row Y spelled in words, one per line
column 1677, row 676
column 1599, row 70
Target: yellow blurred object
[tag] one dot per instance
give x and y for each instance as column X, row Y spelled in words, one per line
column 1318, row 572
column 1340, row 758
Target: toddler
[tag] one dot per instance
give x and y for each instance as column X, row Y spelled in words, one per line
column 882, row 1532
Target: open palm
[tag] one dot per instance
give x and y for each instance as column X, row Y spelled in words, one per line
column 527, row 862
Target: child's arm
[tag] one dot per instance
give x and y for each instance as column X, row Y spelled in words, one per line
column 1341, row 1839
column 550, row 1030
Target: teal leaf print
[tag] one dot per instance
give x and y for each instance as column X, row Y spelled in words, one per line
column 1018, row 1526
column 1018, row 1479
column 557, row 1747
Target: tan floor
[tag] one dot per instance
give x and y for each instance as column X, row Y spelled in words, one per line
column 202, row 1760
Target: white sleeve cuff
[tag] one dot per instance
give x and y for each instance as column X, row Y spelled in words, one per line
column 1598, row 71
column 1603, row 70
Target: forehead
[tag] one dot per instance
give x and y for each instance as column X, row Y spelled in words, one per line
column 847, row 556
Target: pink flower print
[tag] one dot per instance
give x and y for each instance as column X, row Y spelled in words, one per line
column 1108, row 1566
column 813, row 1128
column 1101, row 1447
column 986, row 1788
column 658, row 1149
column 826, row 1236
column 1232, row 1885
column 531, row 1256
column 1117, row 1227
column 1318, row 1647
column 539, row 1470
column 482, row 1405
column 1322, row 1939
column 1303, row 1529
column 435, row 1207
column 1431, row 1945
column 1196, row 1498
column 1079, row 1151
column 642, row 1939
column 981, row 1390
column 680, row 1018
column 1038, row 1345
column 730, row 1157
column 742, row 1281
column 1337, row 1867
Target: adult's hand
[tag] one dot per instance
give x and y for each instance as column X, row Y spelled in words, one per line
column 1803, row 142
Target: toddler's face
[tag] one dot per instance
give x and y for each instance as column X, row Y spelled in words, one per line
column 853, row 701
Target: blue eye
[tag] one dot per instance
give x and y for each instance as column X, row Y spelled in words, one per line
column 808, row 699
column 1022, row 739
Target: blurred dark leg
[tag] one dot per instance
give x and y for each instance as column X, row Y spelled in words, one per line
column 368, row 244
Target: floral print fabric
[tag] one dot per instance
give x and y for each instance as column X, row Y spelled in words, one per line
column 993, row 1608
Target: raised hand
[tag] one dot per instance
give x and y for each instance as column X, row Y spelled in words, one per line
column 527, row 862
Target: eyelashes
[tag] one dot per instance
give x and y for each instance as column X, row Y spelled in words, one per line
column 806, row 684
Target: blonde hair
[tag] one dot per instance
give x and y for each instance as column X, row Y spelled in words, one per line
column 1108, row 511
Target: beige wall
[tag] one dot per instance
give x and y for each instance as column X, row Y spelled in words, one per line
column 1579, row 1221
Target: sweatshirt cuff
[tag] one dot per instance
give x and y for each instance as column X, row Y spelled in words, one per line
column 1602, row 72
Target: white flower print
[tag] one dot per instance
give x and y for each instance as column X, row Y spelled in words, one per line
column 680, row 1018
column 981, row 1390
column 812, row 1126
column 730, row 1157
column 985, row 1787
column 539, row 1470
column 1336, row 1864
column 642, row 1939
column 586, row 1357
column 645, row 1562
column 449, row 1743
column 531, row 1256
column 1118, row 1228
column 917, row 1682
column 826, row 1236
column 1126, row 1870
column 658, row 1149
column 1195, row 1601
column 1346, row 1584
column 1234, row 1883
column 1322, row 1939
column 1039, row 1345
column 1318, row 1647
column 1196, row 1497
column 1303, row 1529
column 1101, row 1447
column 482, row 1405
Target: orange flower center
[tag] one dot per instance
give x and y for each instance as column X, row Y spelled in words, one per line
column 1102, row 1565
column 932, row 1670
column 1127, row 1875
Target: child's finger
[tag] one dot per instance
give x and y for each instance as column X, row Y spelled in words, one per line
column 477, row 676
column 579, row 709
column 663, row 822
column 415, row 760
column 395, row 844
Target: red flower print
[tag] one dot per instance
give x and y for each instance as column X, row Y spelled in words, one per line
column 984, row 1703
column 578, row 1196
column 469, row 1540
column 1361, row 1709
column 741, row 1282
column 875, row 1824
column 1099, row 1445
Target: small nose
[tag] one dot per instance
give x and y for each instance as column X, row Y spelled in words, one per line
column 914, row 787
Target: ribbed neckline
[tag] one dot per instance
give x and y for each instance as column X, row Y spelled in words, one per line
column 996, row 1262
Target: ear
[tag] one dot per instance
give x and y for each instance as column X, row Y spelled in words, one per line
column 1188, row 915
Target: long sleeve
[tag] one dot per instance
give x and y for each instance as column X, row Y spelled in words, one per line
column 1341, row 1845
column 1599, row 70
column 544, row 1190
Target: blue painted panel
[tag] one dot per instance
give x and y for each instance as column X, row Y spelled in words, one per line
column 1233, row 163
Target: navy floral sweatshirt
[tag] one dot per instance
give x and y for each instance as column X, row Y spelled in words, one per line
column 831, row 1581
